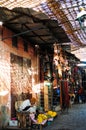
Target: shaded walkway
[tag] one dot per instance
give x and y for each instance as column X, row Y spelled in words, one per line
column 75, row 119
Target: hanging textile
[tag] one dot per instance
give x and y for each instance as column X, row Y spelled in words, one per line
column 64, row 94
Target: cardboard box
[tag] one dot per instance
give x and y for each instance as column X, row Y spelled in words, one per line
column 13, row 123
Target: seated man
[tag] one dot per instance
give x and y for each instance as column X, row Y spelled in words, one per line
column 28, row 105
column 25, row 105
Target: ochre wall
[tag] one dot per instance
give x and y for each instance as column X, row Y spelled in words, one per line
column 6, row 49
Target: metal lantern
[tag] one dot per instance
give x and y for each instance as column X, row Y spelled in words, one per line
column 81, row 17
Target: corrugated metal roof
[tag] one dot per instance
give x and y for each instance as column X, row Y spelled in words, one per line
column 33, row 26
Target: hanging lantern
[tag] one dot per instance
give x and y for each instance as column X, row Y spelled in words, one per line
column 81, row 17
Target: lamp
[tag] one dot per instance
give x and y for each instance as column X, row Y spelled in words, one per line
column 81, row 17
column 1, row 23
column 1, row 30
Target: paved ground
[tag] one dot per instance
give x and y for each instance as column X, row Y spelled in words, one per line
column 75, row 119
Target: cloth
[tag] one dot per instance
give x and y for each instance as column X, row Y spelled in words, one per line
column 25, row 104
column 32, row 109
column 64, row 94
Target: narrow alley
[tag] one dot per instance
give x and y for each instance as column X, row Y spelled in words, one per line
column 75, row 119
column 42, row 64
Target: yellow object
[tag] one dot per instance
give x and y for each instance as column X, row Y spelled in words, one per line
column 46, row 116
column 41, row 118
column 51, row 113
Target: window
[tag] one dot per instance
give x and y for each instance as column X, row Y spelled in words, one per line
column 15, row 42
column 25, row 46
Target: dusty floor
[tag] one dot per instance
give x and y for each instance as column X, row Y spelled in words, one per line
column 75, row 119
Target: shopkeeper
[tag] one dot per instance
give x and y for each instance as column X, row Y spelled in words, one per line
column 28, row 105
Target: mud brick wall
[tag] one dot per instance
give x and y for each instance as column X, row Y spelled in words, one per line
column 16, row 67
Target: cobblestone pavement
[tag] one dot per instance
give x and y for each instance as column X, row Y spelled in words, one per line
column 75, row 119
